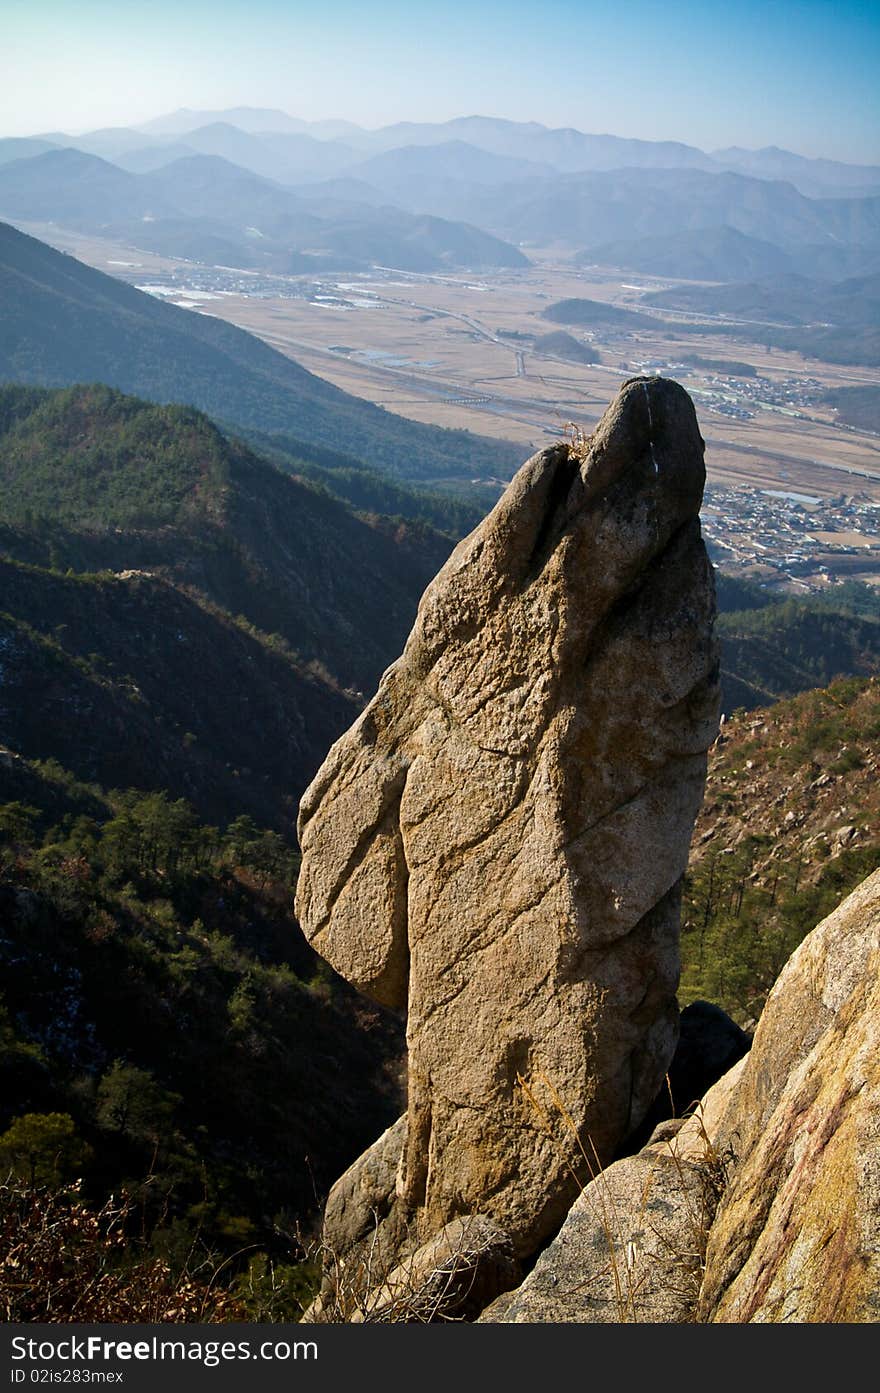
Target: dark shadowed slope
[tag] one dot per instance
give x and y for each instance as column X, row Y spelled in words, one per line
column 129, row 682
column 161, row 489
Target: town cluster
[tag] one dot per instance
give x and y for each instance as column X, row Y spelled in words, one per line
column 793, row 541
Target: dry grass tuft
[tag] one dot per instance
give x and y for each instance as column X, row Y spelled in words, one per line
column 379, row 1288
column 642, row 1251
column 577, row 439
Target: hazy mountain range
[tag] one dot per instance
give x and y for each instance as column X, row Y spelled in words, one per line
column 566, row 149
column 258, row 188
column 207, row 208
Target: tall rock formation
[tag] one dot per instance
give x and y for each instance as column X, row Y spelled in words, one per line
column 497, row 844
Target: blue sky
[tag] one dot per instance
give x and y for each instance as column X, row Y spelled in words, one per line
column 802, row 75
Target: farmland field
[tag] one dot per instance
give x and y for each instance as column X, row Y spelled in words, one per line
column 457, row 350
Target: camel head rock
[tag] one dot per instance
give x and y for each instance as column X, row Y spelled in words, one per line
column 497, row 844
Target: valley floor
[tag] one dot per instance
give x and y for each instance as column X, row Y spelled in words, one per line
column 458, row 351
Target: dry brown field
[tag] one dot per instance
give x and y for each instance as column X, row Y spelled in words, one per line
column 433, row 348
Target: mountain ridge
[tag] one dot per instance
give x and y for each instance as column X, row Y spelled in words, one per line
column 258, row 120
column 206, row 513
column 520, row 183
column 89, row 192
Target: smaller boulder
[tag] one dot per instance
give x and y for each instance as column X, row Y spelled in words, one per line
column 797, row 1233
column 363, row 1198
column 365, row 1229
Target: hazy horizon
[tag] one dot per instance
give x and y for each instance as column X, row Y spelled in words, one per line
column 798, row 74
column 80, row 132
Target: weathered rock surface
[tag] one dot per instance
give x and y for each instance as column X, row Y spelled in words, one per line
column 790, row 1141
column 632, row 1246
column 497, row 843
column 797, row 1233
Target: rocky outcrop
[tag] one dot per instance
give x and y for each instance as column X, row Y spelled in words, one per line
column 797, row 1233
column 772, row 1186
column 497, row 844
column 632, row 1246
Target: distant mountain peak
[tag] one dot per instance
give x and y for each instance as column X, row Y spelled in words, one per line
column 246, row 118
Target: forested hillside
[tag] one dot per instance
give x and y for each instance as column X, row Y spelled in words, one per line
column 789, row 825
column 166, row 1031
column 128, row 680
column 95, row 481
column 777, row 649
